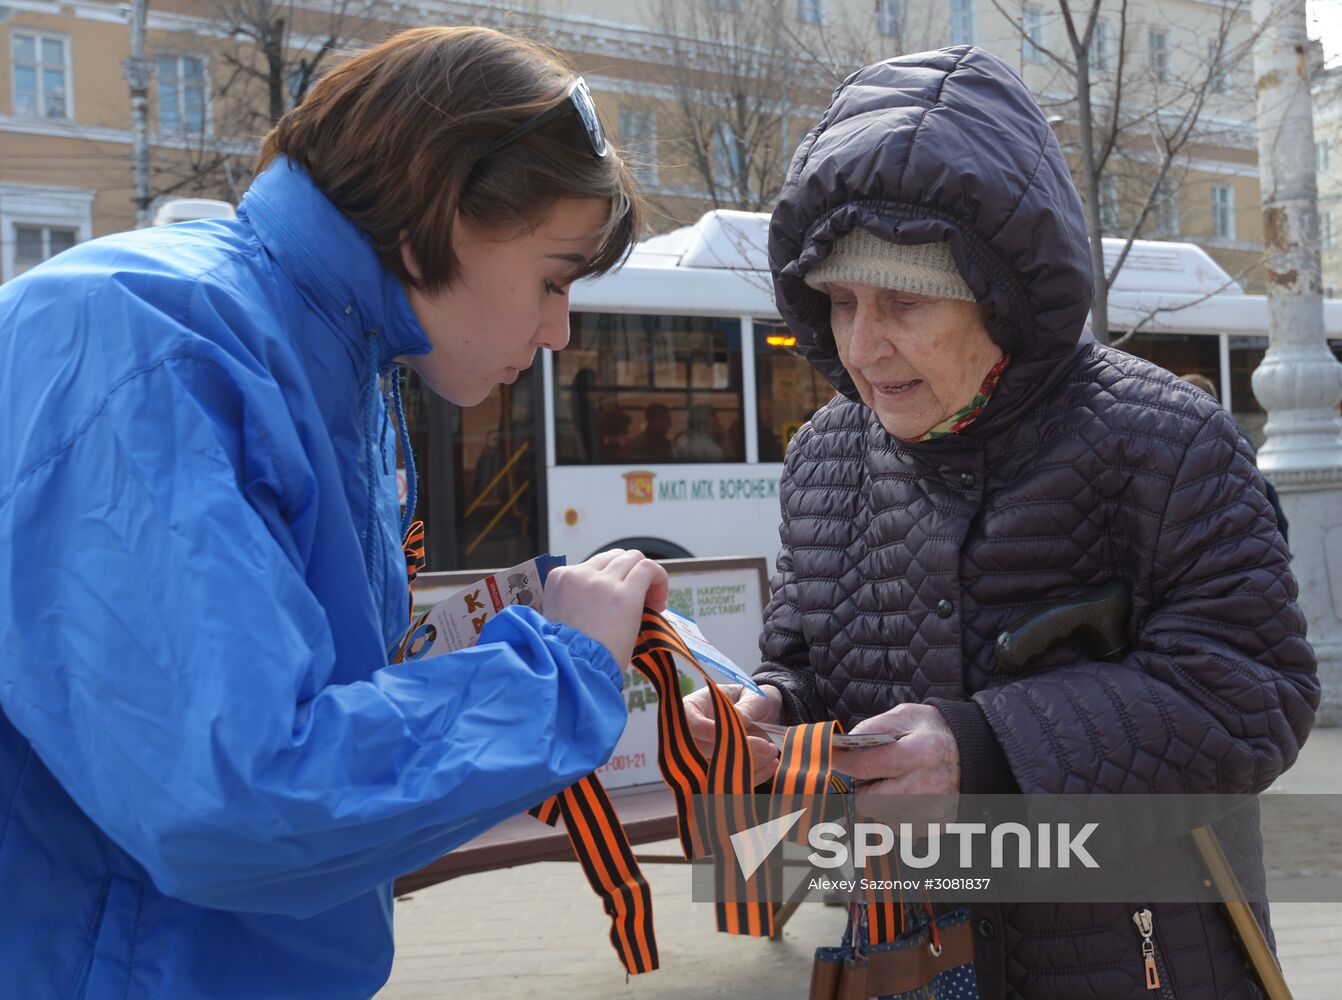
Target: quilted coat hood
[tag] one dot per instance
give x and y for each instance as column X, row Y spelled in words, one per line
column 945, row 145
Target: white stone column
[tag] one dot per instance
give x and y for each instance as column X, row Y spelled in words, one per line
column 1299, row 382
column 138, row 72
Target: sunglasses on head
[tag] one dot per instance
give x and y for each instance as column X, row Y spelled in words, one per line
column 579, row 101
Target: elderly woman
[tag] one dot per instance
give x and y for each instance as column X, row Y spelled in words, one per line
column 984, row 456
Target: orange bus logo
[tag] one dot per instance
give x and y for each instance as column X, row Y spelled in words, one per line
column 638, row 487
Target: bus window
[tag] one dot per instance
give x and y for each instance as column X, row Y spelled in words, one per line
column 635, row 389
column 788, row 389
column 1182, row 354
column 1246, row 354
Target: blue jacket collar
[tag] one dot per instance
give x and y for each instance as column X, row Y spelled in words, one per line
column 332, row 262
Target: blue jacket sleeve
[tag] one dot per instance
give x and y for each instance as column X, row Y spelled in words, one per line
column 169, row 665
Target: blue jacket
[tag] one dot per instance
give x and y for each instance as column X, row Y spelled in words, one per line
column 209, row 774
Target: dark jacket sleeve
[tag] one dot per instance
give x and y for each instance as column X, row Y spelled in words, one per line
column 1220, row 689
column 784, row 651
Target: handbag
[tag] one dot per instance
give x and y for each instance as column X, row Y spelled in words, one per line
column 933, row 958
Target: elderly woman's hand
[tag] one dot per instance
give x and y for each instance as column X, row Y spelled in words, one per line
column 924, row 761
column 753, row 708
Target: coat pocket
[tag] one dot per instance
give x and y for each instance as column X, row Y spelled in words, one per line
column 112, row 949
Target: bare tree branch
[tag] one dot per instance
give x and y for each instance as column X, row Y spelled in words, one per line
column 739, row 74
column 743, row 73
column 1170, row 116
column 264, row 57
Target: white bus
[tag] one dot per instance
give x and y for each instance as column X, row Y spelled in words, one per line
column 191, row 210
column 662, row 425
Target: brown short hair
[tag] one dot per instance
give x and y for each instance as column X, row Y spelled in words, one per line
column 1202, row 382
column 393, row 136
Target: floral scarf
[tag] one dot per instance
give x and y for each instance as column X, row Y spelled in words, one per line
column 962, row 418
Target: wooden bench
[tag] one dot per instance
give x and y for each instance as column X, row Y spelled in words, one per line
column 647, row 813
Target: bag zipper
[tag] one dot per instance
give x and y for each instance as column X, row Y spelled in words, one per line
column 1157, row 978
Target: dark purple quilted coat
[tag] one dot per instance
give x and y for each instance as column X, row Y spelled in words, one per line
column 901, row 562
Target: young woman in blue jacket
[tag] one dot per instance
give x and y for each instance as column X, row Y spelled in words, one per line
column 209, row 773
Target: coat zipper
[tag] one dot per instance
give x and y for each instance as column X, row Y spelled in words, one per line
column 1157, row 978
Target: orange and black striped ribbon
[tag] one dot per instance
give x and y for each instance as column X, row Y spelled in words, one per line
column 885, row 916
column 608, row 861
column 548, row 811
column 413, row 547
column 723, row 782
column 804, row 764
column 603, row 850
column 600, row 842
column 804, row 772
column 885, row 911
column 804, row 775
column 724, row 779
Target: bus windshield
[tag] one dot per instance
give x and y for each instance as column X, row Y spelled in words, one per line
column 787, row 389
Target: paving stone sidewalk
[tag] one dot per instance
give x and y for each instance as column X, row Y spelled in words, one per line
column 538, row 931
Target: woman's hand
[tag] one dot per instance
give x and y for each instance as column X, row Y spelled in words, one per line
column 603, row 598
column 751, row 707
column 924, row 761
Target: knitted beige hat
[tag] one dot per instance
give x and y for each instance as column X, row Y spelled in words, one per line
column 860, row 258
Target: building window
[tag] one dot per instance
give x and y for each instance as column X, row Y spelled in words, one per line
column 1108, row 202
column 1218, row 79
column 181, row 94
column 811, row 11
column 1165, row 210
column 728, row 168
column 38, row 221
column 1158, row 43
column 40, row 76
column 1326, row 230
column 638, row 136
column 888, row 18
column 1223, row 211
column 1323, row 157
column 1099, row 46
column 1032, row 21
column 962, row 22
column 34, row 244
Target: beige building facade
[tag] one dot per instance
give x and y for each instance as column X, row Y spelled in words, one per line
column 65, row 137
